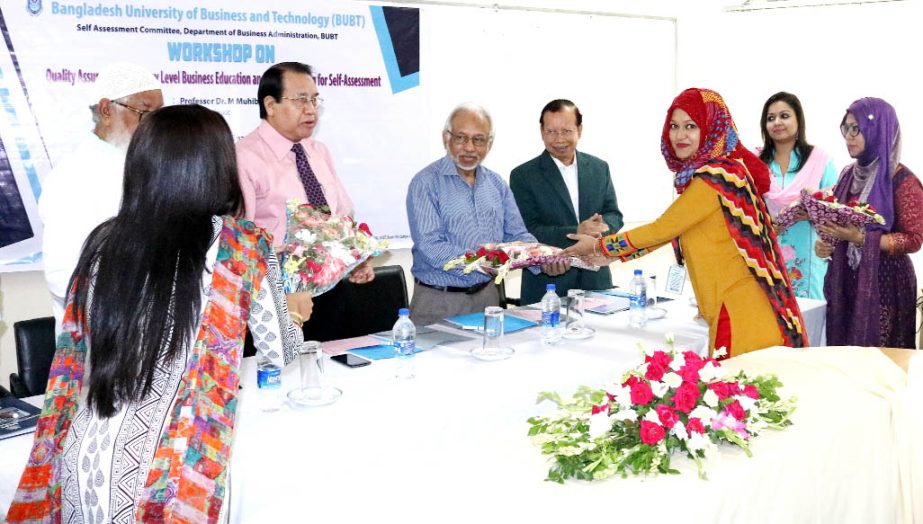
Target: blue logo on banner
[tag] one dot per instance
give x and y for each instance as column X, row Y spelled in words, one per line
column 34, row 6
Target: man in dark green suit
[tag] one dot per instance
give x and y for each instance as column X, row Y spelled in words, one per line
column 564, row 191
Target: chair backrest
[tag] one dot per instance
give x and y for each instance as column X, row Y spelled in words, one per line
column 352, row 310
column 35, row 347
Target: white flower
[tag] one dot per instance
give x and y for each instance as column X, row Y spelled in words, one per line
column 720, row 352
column 745, row 402
column 678, row 362
column 625, row 414
column 599, row 425
column 706, row 415
column 679, row 429
column 697, row 441
column 659, row 388
column 673, row 380
column 652, row 416
column 710, row 372
column 710, row 398
column 306, row 236
column 623, row 397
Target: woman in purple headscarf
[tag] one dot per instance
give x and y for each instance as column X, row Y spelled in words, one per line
column 870, row 286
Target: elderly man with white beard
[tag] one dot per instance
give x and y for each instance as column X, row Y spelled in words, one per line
column 455, row 205
column 85, row 188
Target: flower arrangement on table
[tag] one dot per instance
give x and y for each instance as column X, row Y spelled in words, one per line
column 499, row 259
column 674, row 402
column 822, row 207
column 322, row 249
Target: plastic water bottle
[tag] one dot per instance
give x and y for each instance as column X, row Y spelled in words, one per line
column 269, row 383
column 552, row 330
column 637, row 295
column 403, row 336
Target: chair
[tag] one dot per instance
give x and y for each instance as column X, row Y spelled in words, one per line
column 35, row 347
column 352, row 310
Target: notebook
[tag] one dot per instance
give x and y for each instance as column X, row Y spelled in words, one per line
column 17, row 417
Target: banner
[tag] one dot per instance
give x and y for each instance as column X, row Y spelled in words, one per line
column 365, row 61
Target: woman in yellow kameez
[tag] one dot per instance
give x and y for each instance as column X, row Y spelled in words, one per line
column 720, row 228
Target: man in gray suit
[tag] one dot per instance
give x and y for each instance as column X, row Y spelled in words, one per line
column 564, row 191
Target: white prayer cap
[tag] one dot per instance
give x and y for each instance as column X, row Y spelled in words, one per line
column 122, row 79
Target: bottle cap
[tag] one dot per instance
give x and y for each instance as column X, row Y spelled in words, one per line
column 403, row 312
column 637, row 272
column 550, row 287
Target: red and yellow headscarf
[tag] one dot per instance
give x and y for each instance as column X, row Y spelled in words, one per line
column 719, row 139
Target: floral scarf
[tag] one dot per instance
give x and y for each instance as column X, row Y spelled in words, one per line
column 187, row 479
column 719, row 139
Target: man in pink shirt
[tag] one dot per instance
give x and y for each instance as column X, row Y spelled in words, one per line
column 279, row 161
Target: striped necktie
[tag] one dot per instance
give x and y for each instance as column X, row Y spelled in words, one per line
column 312, row 188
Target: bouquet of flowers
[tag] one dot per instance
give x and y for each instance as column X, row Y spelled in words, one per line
column 822, row 207
column 321, row 249
column 674, row 402
column 499, row 259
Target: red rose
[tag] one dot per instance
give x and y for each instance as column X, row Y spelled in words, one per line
column 736, row 410
column 695, row 424
column 751, row 391
column 689, row 373
column 733, row 388
column 482, row 251
column 693, row 360
column 657, row 365
column 641, row 393
column 818, row 194
column 667, row 416
column 654, row 371
column 721, row 389
column 651, row 433
column 600, row 409
column 829, row 198
column 687, row 394
column 365, row 229
column 853, row 203
column 502, row 257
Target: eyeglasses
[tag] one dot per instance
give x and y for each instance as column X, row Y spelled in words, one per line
column 555, row 133
column 461, row 139
column 141, row 112
column 302, row 101
column 850, row 129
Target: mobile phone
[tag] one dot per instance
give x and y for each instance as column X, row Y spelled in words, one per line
column 353, row 361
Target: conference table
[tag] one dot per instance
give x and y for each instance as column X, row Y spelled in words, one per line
column 451, row 444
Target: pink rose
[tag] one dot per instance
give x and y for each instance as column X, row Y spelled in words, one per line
column 686, row 396
column 695, row 424
column 736, row 410
column 631, row 381
column 603, row 408
column 641, row 393
column 651, row 433
column 751, row 391
column 667, row 416
column 733, row 388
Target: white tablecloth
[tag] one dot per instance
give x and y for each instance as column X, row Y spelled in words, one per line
column 451, row 444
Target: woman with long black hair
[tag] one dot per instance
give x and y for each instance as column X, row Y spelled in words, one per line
column 141, row 399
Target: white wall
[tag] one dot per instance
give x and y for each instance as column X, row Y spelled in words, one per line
column 828, row 56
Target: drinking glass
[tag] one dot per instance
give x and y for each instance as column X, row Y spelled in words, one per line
column 314, row 390
column 574, row 323
column 492, row 347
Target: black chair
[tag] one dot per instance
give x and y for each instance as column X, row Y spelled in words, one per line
column 5, row 392
column 35, row 346
column 352, row 310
